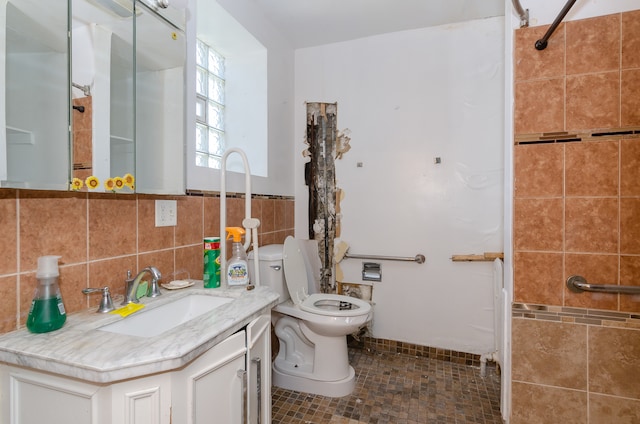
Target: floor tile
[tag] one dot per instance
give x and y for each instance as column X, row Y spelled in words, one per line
column 399, row 389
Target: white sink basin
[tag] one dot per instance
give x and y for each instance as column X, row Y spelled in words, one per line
column 165, row 317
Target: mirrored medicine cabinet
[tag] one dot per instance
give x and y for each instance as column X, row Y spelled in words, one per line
column 93, row 94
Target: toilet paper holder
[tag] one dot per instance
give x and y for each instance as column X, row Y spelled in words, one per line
column 371, row 271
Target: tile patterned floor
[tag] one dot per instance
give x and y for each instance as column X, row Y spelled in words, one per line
column 399, row 389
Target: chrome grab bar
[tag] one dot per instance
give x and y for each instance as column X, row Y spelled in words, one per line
column 578, row 284
column 419, row 258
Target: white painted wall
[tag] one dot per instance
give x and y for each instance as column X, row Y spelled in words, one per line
column 409, row 97
column 280, row 76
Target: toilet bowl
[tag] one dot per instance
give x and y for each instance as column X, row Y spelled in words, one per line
column 311, row 327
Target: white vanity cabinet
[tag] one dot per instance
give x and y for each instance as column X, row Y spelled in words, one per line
column 220, row 386
column 210, row 389
column 32, row 397
column 259, row 370
column 144, row 400
column 229, row 383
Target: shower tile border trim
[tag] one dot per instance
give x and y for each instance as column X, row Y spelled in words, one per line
column 232, row 195
column 611, row 134
column 576, row 315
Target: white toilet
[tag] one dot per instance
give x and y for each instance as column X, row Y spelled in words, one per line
column 311, row 328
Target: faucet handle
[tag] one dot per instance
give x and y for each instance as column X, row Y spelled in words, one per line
column 106, row 304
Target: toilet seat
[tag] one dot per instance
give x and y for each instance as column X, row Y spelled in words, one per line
column 335, row 305
column 296, row 278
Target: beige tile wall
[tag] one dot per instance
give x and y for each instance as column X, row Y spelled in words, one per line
column 577, row 203
column 577, row 211
column 101, row 236
column 568, row 372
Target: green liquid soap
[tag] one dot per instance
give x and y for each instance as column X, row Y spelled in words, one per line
column 46, row 315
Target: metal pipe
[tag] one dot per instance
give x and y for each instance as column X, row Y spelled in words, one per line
column 578, row 284
column 522, row 13
column 86, row 89
column 541, row 44
column 419, row 258
column 491, row 356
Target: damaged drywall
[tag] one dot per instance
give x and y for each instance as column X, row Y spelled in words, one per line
column 325, row 145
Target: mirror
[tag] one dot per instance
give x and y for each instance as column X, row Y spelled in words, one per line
column 102, row 76
column 120, row 90
column 34, row 129
column 160, row 99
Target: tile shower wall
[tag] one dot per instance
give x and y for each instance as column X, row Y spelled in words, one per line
column 101, row 236
column 577, row 211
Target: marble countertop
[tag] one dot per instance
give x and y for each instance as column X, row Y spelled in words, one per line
column 80, row 350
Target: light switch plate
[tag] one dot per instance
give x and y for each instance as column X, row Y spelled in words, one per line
column 166, row 213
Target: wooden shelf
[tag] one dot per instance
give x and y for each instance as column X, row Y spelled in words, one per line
column 485, row 257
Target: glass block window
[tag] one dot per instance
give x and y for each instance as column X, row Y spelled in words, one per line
column 210, row 142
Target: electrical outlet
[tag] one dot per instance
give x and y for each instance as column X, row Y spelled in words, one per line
column 166, row 213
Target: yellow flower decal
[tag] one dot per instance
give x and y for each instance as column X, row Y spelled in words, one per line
column 92, row 182
column 119, row 183
column 110, row 184
column 76, row 184
column 129, row 181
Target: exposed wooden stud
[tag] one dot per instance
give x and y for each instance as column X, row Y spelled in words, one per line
column 320, row 178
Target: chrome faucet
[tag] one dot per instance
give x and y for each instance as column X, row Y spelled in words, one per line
column 131, row 285
column 129, row 290
column 153, row 290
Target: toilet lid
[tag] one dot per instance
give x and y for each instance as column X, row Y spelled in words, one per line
column 295, row 271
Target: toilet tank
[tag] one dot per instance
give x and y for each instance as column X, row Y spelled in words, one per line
column 271, row 269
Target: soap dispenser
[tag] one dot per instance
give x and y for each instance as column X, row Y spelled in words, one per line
column 47, row 310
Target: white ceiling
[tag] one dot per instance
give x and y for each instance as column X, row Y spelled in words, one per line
column 315, row 22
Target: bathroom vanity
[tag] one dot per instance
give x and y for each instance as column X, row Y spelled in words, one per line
column 212, row 368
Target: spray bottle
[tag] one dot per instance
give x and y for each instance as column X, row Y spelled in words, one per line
column 237, row 268
column 47, row 310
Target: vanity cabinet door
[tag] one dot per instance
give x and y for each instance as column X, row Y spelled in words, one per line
column 34, row 397
column 144, row 400
column 210, row 389
column 259, row 369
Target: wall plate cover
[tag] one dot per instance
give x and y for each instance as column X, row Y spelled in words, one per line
column 166, row 213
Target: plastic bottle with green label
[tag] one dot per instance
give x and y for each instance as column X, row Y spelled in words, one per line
column 211, row 272
column 237, row 267
column 47, row 311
